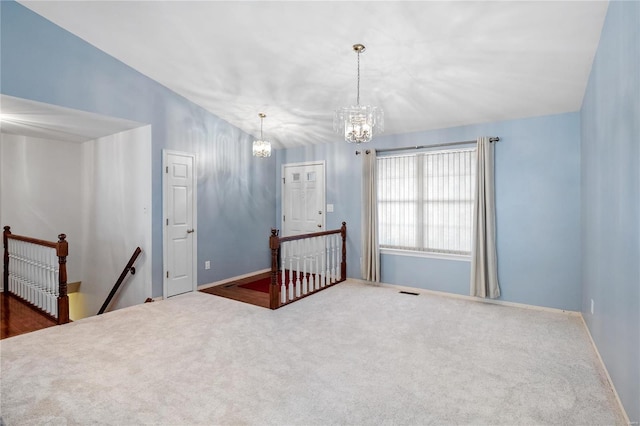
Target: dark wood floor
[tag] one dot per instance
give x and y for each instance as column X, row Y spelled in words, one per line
column 233, row 291
column 17, row 317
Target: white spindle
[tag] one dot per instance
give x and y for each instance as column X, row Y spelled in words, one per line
column 26, row 286
column 37, row 296
column 298, row 283
column 19, row 270
column 319, row 262
column 325, row 261
column 56, row 285
column 305, row 278
column 323, row 258
column 29, row 257
column 10, row 246
column 35, row 270
column 329, row 260
column 283, row 287
column 291, row 283
column 50, row 290
column 51, row 281
column 12, row 262
column 42, row 294
column 337, row 261
column 32, row 272
column 323, row 282
column 17, row 273
column 314, row 264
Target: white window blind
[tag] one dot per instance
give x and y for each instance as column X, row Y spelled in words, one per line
column 425, row 201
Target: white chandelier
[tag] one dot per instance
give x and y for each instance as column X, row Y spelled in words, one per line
column 261, row 148
column 358, row 123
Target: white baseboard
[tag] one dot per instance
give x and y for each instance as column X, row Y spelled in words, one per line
column 469, row 298
column 606, row 372
column 228, row 280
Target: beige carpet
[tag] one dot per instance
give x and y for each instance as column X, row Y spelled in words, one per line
column 352, row 354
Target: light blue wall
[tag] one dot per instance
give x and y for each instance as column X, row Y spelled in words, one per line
column 538, row 209
column 42, row 62
column 610, row 119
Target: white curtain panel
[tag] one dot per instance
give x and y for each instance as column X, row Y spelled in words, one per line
column 484, row 261
column 370, row 252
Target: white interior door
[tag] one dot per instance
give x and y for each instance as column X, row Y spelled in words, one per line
column 179, row 184
column 303, row 201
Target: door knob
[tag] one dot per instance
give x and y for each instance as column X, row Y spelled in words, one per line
column 190, row 231
column 319, row 226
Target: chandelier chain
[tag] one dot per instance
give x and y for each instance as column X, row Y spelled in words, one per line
column 358, row 87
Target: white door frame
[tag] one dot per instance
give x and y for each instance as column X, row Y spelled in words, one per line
column 165, row 242
column 324, row 189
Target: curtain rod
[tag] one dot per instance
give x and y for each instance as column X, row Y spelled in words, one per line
column 494, row 139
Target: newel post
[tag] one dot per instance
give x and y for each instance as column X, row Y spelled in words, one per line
column 62, row 251
column 5, row 275
column 274, row 289
column 343, row 264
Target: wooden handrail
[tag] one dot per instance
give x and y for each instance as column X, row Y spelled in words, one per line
column 315, row 234
column 36, row 241
column 123, row 275
column 62, row 251
column 274, row 245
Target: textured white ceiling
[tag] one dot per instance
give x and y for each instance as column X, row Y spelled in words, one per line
column 428, row 64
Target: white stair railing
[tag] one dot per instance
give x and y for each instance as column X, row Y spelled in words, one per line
column 304, row 264
column 35, row 271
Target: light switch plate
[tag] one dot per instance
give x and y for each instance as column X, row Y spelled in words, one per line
column 329, row 208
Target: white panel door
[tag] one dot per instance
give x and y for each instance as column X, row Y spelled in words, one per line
column 179, row 220
column 303, row 199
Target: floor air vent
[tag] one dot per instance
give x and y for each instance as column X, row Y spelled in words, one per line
column 409, row 292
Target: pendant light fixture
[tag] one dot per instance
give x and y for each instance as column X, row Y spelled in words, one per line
column 261, row 148
column 358, row 123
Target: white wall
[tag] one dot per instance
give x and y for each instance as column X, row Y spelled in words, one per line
column 40, row 192
column 117, row 217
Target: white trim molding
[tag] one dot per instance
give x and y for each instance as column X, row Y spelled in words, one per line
column 469, row 298
column 426, row 254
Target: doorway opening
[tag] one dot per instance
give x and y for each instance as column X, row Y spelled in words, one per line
column 85, row 175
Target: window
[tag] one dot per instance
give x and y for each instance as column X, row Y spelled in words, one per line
column 425, row 201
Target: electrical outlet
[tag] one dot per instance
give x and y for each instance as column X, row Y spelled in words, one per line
column 591, row 306
column 207, row 264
